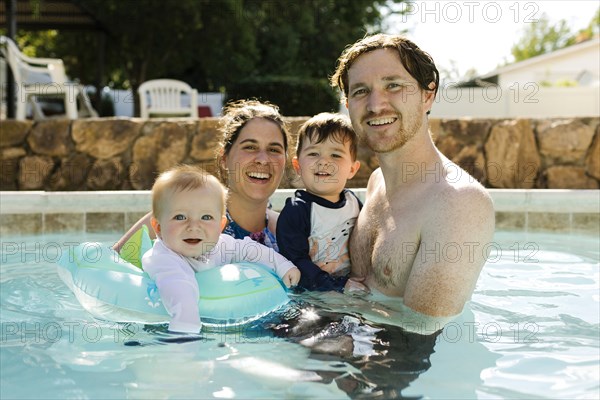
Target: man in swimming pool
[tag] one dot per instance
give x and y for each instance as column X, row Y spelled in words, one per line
column 423, row 230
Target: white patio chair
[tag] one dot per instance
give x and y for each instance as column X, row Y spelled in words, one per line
column 167, row 98
column 37, row 78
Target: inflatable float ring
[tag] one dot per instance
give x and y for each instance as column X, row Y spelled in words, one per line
column 111, row 287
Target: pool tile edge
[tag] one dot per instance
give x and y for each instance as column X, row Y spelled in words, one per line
column 519, row 209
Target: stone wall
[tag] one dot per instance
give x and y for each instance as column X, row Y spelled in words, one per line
column 119, row 154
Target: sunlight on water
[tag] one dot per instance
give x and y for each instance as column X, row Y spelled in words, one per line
column 530, row 331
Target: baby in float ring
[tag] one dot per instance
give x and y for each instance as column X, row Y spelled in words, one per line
column 188, row 216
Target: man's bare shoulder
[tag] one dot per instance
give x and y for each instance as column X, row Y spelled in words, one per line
column 458, row 225
column 466, row 192
column 467, row 206
column 466, row 213
column 375, row 181
column 469, row 189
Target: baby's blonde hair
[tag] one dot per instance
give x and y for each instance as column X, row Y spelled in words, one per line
column 181, row 178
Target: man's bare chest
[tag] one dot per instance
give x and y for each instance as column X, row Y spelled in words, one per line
column 393, row 236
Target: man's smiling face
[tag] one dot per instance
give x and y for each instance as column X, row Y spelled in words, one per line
column 386, row 105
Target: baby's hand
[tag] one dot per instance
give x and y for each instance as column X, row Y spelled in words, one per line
column 292, row 277
column 355, row 286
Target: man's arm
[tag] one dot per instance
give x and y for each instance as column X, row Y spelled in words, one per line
column 451, row 253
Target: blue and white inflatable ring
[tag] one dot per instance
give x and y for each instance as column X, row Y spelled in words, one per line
column 111, row 288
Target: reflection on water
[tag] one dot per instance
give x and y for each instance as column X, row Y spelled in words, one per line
column 531, row 330
column 387, row 358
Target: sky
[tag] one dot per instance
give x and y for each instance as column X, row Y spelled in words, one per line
column 480, row 34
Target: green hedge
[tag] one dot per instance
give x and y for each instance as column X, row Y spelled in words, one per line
column 294, row 96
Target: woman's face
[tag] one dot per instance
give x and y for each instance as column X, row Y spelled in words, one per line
column 256, row 161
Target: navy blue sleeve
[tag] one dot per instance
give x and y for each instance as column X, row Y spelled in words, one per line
column 293, row 230
column 360, row 204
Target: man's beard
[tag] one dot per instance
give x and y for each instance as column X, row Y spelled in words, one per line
column 396, row 141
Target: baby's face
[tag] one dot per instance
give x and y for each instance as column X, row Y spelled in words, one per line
column 326, row 167
column 191, row 221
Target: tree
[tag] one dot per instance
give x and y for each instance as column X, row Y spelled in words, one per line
column 542, row 37
column 299, row 43
column 593, row 28
column 145, row 41
column 213, row 44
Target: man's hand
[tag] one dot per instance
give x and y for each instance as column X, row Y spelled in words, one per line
column 355, row 286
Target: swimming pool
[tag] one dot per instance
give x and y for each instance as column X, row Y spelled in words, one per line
column 530, row 331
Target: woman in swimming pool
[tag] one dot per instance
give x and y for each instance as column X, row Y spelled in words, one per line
column 251, row 160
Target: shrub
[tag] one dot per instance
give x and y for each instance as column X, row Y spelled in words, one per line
column 295, row 96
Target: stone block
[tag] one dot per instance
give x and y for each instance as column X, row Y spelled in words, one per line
column 51, row 138
column 499, row 153
column 465, row 130
column 163, row 145
column 106, row 175
column 13, row 133
column 564, row 141
column 34, row 172
column 172, row 142
column 569, row 177
column 71, row 173
column 512, row 160
column 205, row 141
column 104, row 138
column 470, row 158
column 592, row 161
column 142, row 170
column 449, row 146
column 9, row 167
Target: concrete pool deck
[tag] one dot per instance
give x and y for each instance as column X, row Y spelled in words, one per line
column 38, row 212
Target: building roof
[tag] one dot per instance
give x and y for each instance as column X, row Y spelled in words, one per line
column 588, row 44
column 51, row 14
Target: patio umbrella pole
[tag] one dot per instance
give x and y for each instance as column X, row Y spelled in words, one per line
column 11, row 28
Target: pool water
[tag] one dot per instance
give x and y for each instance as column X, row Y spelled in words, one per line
column 531, row 330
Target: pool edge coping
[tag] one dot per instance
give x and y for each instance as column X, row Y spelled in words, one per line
column 505, row 200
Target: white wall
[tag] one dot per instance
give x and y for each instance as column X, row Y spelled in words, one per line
column 520, row 94
column 565, row 65
column 529, row 100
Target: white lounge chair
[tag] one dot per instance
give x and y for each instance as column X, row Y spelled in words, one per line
column 167, row 98
column 37, row 78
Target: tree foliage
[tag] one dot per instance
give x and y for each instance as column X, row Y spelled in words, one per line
column 542, row 37
column 593, row 28
column 213, row 44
